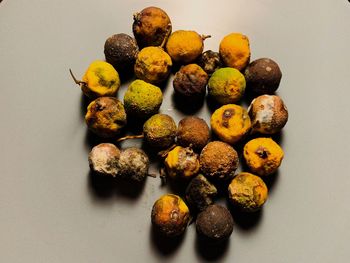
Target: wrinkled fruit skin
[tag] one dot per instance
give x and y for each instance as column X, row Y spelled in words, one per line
column 133, row 164
column 210, row 61
column 100, row 80
column 194, row 132
column 181, row 163
column 268, row 113
column 142, row 99
column 103, row 159
column 105, row 117
column 191, row 81
column 170, row 215
column 121, row 51
column 184, row 46
column 230, row 123
column 235, row 51
column 200, row 193
column 218, row 160
column 215, row 223
column 263, row 76
column 153, row 65
column 160, row 131
column 248, row 192
column 151, row 26
column 226, row 85
column 263, row 156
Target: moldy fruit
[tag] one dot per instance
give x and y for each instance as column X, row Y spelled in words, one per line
column 121, row 51
column 200, row 193
column 103, row 159
column 151, row 26
column 170, row 215
column 226, row 85
column 215, row 223
column 230, row 123
column 218, row 160
column 105, row 116
column 133, row 164
column 191, row 81
column 185, row 46
column 263, row 76
column 268, row 113
column 194, row 132
column 263, row 156
column 181, row 163
column 248, row 192
column 142, row 99
column 235, row 51
column 210, row 61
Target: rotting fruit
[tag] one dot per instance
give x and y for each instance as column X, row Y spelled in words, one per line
column 133, row 164
column 210, row 61
column 104, row 158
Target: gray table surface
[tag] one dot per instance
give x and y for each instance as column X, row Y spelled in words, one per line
column 52, row 211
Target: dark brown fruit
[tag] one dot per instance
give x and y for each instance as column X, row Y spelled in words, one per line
column 218, row 160
column 200, row 193
column 263, row 76
column 193, row 131
column 103, row 159
column 215, row 223
column 210, row 61
column 121, row 51
column 133, row 164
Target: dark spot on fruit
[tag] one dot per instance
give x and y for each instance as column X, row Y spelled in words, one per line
column 262, row 152
column 226, row 115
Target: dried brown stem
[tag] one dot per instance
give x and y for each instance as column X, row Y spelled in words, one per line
column 164, row 153
column 166, row 36
column 78, row 82
column 204, row 37
column 130, row 137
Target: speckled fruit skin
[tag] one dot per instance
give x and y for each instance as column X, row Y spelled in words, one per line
column 133, row 164
column 184, row 46
column 248, row 192
column 226, row 85
column 268, row 114
column 263, row 156
column 193, row 131
column 142, row 99
column 200, row 193
column 235, row 51
column 230, row 123
column 152, row 65
column 100, row 80
column 103, row 159
column 215, row 223
column 263, row 76
column 210, row 61
column 218, row 160
column 121, row 51
column 170, row 215
column 151, row 26
column 160, row 131
column 105, row 116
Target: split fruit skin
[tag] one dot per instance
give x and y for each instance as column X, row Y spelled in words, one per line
column 215, row 223
column 234, row 50
column 170, row 215
column 263, row 156
column 100, row 79
column 248, row 192
column 226, row 85
column 268, row 114
column 152, row 65
column 133, row 164
column 103, row 159
column 218, row 160
column 200, row 193
column 160, row 131
column 184, row 46
column 181, row 163
column 230, row 123
column 210, row 61
column 142, row 99
column 105, row 116
column 121, row 51
column 263, row 76
column 151, row 26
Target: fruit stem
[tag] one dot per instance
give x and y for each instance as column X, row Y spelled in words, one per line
column 166, row 36
column 135, row 16
column 164, row 153
column 78, row 82
column 140, row 136
column 204, row 37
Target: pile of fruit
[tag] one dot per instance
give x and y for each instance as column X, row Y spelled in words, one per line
column 188, row 151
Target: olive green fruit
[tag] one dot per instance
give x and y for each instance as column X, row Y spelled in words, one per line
column 142, row 99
